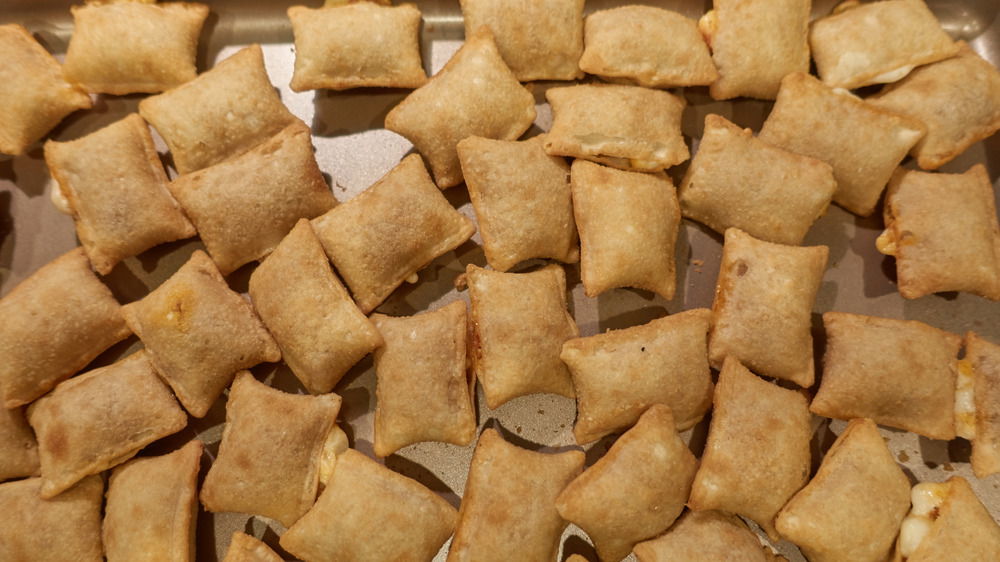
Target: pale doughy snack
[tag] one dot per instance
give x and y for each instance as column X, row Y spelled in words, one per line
column 54, row 323
column 117, row 192
column 268, row 461
column 522, row 199
column 862, row 143
column 959, row 527
column 222, row 113
column 627, row 127
column 757, row 456
column 244, row 548
column 984, row 358
column 198, row 333
column 244, row 206
column 34, row 95
column 619, row 374
column 152, row 507
column 736, row 180
column 18, row 446
column 390, row 231
column 899, row 373
column 475, row 94
column 519, row 325
column 131, row 47
column 636, row 490
column 63, row 529
column 356, row 45
column 711, row 536
column 943, row 231
column 762, row 312
column 877, row 42
column 100, row 419
column 852, row 508
column 647, row 46
column 319, row 329
column 508, row 511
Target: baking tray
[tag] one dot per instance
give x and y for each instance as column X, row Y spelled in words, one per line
column 354, row 150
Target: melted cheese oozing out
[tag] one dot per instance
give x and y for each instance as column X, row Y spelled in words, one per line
column 886, row 242
column 926, row 498
column 58, row 199
column 336, row 443
column 708, row 25
column 965, row 406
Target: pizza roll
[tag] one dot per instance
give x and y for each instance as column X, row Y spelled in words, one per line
column 877, row 42
column 319, row 329
column 899, row 373
column 18, row 446
column 268, row 461
column 862, row 143
column 647, row 46
column 736, row 180
column 538, row 39
column 628, row 226
column 947, row 522
column 421, row 389
column 519, row 325
column 198, row 333
column 509, row 508
column 475, row 94
column 131, row 47
column 967, row 85
column 982, row 358
column 244, row 548
column 100, row 419
column 705, row 535
column 626, row 127
column 756, row 43
column 54, row 323
column 943, row 231
column 621, row 373
column 852, row 508
column 34, row 96
column 116, row 189
column 63, row 529
column 762, row 313
column 244, row 206
column 636, row 490
column 757, row 455
column 152, row 507
column 522, row 199
column 390, row 231
column 222, row 113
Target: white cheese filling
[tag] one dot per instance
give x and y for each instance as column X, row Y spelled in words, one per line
column 926, row 499
column 965, row 406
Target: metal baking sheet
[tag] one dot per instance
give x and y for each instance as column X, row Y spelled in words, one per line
column 354, row 150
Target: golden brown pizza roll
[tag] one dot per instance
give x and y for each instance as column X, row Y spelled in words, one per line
column 619, row 374
column 627, row 127
column 862, row 143
column 35, row 96
column 421, row 389
column 222, row 113
column 947, row 522
column 244, row 548
column 152, row 507
column 268, row 461
column 117, row 192
column 967, row 85
column 636, row 490
column 647, row 46
column 411, row 521
column 757, row 456
column 475, row 94
column 356, row 45
column 319, row 329
column 899, row 373
column 628, row 225
column 756, row 43
column 198, row 333
column 18, row 446
column 508, row 511
column 982, row 358
column 876, row 42
column 100, row 419
column 762, row 312
column 390, row 231
column 63, row 529
column 943, row 231
column 522, row 199
column 519, row 325
column 736, row 180
column 708, row 536
column 54, row 323
column 852, row 508
column 131, row 47
column 245, row 205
